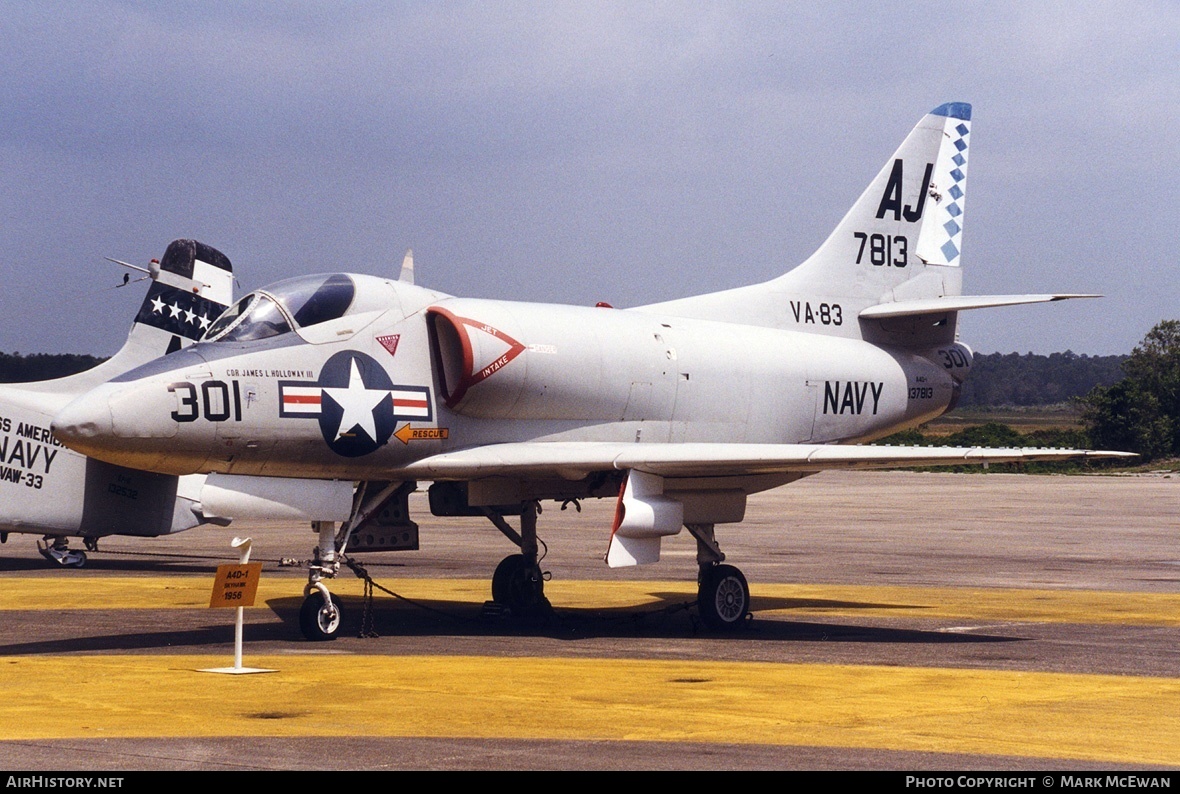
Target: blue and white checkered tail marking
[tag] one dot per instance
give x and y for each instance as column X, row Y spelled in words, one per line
column 941, row 240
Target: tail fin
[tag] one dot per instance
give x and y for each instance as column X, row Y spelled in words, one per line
column 191, row 286
column 900, row 241
column 889, row 273
column 908, row 219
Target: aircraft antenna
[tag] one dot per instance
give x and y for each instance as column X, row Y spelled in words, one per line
column 127, row 264
column 407, row 274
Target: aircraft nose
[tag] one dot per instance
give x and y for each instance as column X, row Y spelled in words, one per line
column 132, row 425
column 84, row 423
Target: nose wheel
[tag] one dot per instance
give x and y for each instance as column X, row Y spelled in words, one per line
column 723, row 597
column 319, row 617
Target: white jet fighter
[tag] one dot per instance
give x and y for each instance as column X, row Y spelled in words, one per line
column 50, row 490
column 678, row 410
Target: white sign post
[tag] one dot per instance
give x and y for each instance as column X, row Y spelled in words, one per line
column 235, row 586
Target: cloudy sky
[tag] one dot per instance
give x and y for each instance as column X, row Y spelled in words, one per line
column 579, row 151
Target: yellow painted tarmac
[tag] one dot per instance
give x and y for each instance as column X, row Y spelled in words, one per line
column 1102, row 718
column 1068, row 662
column 975, row 604
column 1097, row 718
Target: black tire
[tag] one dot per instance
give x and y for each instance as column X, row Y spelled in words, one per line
column 320, row 618
column 723, row 598
column 517, row 584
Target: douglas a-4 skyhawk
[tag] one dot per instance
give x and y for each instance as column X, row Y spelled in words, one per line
column 677, row 410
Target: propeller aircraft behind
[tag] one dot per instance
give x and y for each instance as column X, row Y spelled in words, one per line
column 677, row 410
column 51, row 490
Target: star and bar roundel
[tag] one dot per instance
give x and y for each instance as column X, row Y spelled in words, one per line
column 356, row 403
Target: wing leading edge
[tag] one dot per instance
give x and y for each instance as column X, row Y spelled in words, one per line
column 573, row 460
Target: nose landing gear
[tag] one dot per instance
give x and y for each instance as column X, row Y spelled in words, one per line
column 319, row 617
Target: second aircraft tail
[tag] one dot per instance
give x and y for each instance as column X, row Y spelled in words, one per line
column 192, row 284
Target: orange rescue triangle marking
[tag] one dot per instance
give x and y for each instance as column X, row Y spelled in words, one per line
column 406, row 433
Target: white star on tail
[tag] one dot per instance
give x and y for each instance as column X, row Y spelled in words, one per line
column 358, row 404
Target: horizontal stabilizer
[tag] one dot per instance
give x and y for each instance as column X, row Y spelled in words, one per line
column 574, row 460
column 958, row 303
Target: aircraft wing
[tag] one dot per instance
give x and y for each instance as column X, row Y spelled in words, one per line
column 574, row 460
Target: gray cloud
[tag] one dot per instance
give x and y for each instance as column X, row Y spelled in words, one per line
column 578, row 152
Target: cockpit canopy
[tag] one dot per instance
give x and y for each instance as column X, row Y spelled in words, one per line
column 297, row 303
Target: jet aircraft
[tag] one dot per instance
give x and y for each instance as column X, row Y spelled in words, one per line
column 677, row 410
column 51, row 490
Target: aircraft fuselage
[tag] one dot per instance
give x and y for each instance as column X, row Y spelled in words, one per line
column 367, row 401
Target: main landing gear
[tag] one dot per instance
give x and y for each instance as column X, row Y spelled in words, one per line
column 56, row 548
column 518, row 583
column 723, row 596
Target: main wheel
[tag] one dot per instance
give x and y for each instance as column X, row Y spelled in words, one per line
column 319, row 617
column 723, row 597
column 517, row 584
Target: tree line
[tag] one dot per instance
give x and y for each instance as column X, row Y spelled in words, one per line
column 1141, row 412
column 1015, row 379
column 15, row 368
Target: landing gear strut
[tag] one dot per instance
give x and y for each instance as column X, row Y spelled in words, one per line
column 320, row 616
column 723, row 596
column 519, row 583
column 57, row 549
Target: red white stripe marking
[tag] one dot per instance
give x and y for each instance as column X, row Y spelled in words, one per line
column 302, row 400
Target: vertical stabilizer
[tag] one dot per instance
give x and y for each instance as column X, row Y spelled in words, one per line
column 190, row 287
column 902, row 240
column 908, row 219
